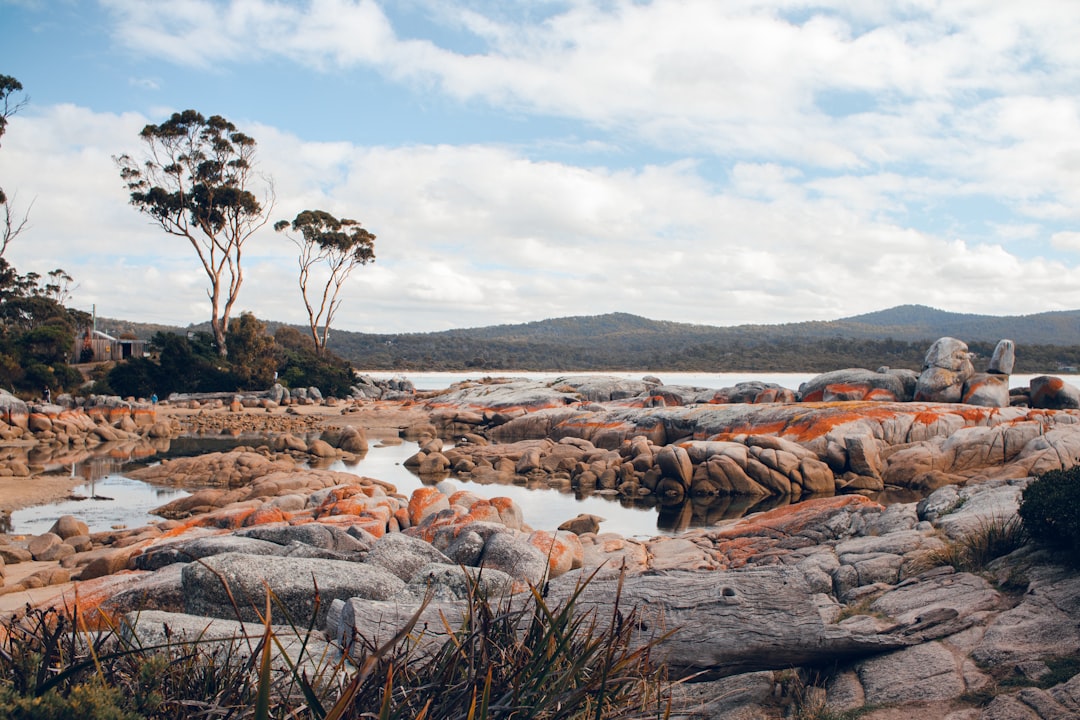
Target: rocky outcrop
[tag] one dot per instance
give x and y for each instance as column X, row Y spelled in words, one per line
column 842, row 584
column 39, row 434
column 775, row 449
column 945, row 369
column 1054, row 393
column 856, row 384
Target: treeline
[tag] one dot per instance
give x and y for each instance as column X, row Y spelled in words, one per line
column 667, row 353
column 37, row 332
column 190, row 362
column 619, row 341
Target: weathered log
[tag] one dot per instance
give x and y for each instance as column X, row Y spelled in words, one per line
column 717, row 624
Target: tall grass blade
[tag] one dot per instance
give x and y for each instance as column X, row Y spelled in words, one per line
column 262, row 699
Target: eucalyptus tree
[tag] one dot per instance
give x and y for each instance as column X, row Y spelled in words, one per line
column 10, row 224
column 195, row 180
column 337, row 245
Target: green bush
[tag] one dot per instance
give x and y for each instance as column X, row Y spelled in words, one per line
column 993, row 538
column 91, row 701
column 1050, row 509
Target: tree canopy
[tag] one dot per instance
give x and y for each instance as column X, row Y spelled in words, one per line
column 337, row 246
column 195, row 180
column 10, row 224
column 37, row 333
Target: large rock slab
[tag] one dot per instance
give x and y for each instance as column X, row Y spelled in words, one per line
column 292, row 646
column 318, row 535
column 212, row 585
column 853, row 384
column 730, row 622
column 1042, row 625
column 919, row 674
column 222, row 469
column 184, row 551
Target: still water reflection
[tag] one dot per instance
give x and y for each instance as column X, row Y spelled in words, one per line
column 107, row 499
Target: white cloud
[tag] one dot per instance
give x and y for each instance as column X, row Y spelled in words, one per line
column 798, row 157
column 144, row 83
column 1066, row 241
column 981, row 93
column 476, row 235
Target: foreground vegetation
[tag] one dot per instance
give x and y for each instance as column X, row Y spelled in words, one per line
column 504, row 661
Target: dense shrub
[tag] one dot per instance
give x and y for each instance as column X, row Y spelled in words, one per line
column 1050, row 509
column 91, row 701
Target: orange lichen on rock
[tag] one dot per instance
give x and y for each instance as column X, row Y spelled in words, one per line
column 790, row 519
column 375, row 526
column 509, row 512
column 736, row 552
column 226, row 519
column 265, row 515
column 562, row 549
column 880, row 395
column 426, row 501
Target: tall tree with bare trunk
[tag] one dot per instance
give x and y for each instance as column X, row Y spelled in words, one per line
column 195, row 181
column 10, row 224
column 337, row 246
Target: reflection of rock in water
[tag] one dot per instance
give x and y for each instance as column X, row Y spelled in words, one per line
column 707, row 511
column 5, row 522
column 97, row 467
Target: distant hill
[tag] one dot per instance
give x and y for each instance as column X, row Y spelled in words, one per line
column 908, row 321
column 897, row 337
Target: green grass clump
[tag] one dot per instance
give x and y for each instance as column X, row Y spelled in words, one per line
column 1050, row 509
column 993, row 538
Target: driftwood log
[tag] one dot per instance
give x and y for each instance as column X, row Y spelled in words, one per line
column 714, row 624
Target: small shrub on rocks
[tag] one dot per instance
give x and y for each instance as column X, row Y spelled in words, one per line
column 992, row 539
column 1050, row 510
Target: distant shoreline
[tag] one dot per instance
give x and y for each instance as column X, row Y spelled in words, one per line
column 440, row 380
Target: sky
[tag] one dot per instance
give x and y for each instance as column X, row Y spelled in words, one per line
column 719, row 162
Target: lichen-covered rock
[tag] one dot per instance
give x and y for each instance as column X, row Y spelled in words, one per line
column 853, row 384
column 562, row 549
column 753, row 392
column 13, row 411
column 987, row 390
column 426, row 501
column 1053, row 393
column 946, row 368
column 515, row 556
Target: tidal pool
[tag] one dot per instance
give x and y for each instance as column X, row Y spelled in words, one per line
column 110, row 500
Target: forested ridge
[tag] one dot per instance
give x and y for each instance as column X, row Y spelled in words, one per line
column 897, row 337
